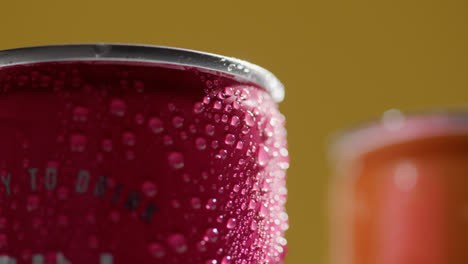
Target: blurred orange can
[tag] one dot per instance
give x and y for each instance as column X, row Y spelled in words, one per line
column 399, row 191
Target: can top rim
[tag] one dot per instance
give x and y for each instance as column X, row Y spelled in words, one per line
column 240, row 69
column 393, row 128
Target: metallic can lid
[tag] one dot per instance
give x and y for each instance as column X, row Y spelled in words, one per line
column 394, row 128
column 236, row 68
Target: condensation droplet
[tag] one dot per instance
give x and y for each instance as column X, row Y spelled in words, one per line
column 211, row 204
column 235, row 121
column 201, row 246
column 80, row 114
column 128, row 138
column 139, row 86
column 118, row 107
column 269, row 130
column 192, row 129
column 230, row 139
column 217, row 105
column 200, row 143
column 78, row 142
column 253, row 225
column 220, row 219
column 231, row 67
column 263, row 156
column 211, row 235
column 186, row 177
column 156, row 125
column 167, row 140
column 209, row 129
column 171, row 107
column 236, row 105
column 222, row 154
column 32, row 202
column 226, row 260
column 252, row 204
column 198, row 108
column 224, row 118
column 214, row 144
column 249, row 119
column 195, row 202
column 149, row 189
column 139, row 119
column 263, row 210
column 217, row 118
column 176, row 160
column 240, row 145
column 231, row 223
column 177, row 121
column 177, row 242
column 156, row 250
column 245, row 94
column 228, row 91
column 206, row 100
column 175, row 204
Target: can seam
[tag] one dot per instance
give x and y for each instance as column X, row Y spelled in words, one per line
column 237, row 68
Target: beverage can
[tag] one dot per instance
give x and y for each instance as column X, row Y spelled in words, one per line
column 398, row 194
column 113, row 153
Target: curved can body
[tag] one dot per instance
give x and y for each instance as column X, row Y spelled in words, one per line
column 137, row 161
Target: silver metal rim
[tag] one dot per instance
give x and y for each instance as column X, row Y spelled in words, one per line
column 237, row 68
column 369, row 136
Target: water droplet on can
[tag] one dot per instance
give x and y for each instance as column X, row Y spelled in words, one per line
column 128, row 138
column 80, row 114
column 177, row 242
column 149, row 189
column 226, row 260
column 211, row 235
column 249, row 119
column 231, row 223
column 178, row 121
column 156, row 125
column 235, row 121
column 32, row 202
column 195, row 202
column 78, row 142
column 176, row 160
column 156, row 250
column 117, row 107
column 263, row 156
column 209, row 129
column 200, row 143
column 198, row 108
column 211, row 204
column 217, row 105
column 229, row 139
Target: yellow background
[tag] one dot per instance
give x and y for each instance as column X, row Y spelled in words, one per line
column 342, row 61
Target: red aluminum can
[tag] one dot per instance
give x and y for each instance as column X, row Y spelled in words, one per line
column 139, row 154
